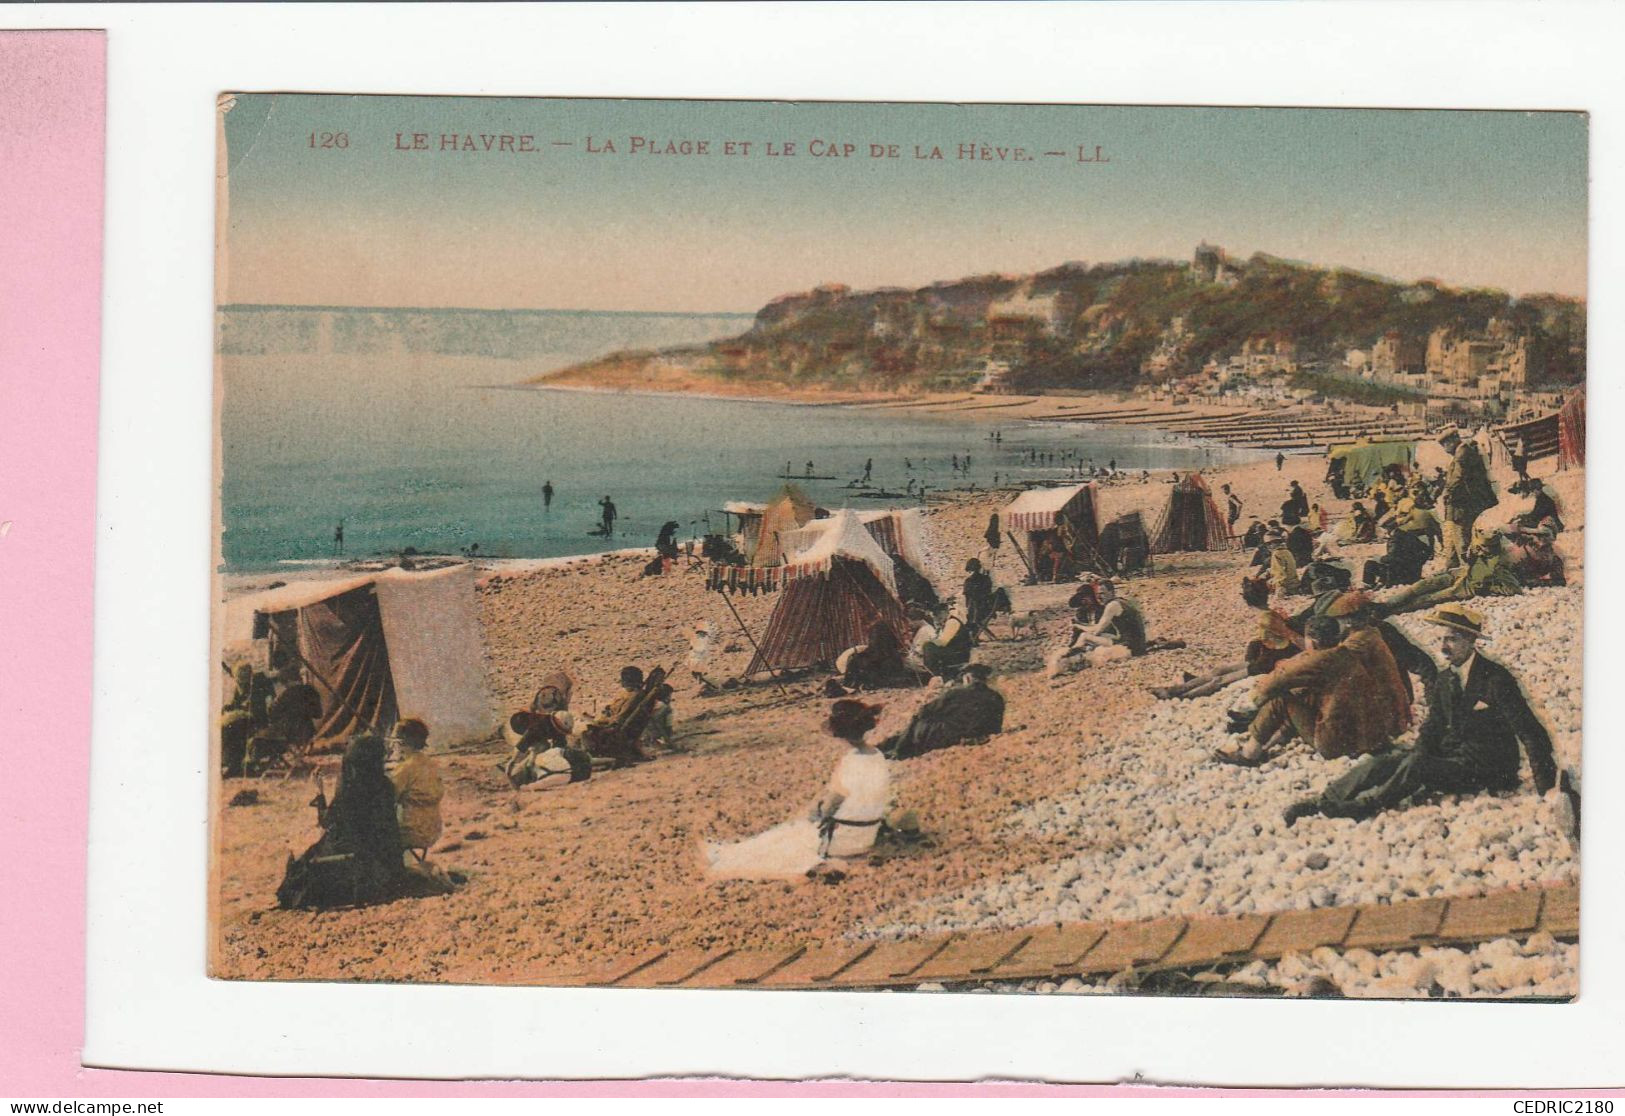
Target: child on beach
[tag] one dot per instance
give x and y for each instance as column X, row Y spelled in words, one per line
column 418, row 787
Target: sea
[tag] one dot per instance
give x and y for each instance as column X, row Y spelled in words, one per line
column 406, row 428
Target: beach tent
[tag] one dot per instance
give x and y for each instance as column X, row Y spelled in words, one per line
column 834, row 593
column 378, row 648
column 749, row 515
column 1571, row 432
column 790, row 510
column 897, row 532
column 1364, row 461
column 1191, row 520
column 1057, row 529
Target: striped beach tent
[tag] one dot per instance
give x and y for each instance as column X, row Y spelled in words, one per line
column 1571, row 432
column 788, row 512
column 835, row 592
column 1062, row 523
column 1191, row 520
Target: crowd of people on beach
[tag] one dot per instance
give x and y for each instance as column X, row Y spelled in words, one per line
column 1330, row 671
column 1336, row 673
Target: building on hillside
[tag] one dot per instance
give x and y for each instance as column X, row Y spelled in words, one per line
column 992, row 378
column 1269, row 355
column 1496, row 362
column 1172, row 353
column 1396, row 356
column 1024, row 311
column 1210, row 264
column 1517, row 360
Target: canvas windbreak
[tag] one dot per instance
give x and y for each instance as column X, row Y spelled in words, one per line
column 342, row 642
column 394, row 644
column 437, row 653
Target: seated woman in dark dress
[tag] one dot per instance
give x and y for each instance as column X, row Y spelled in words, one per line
column 879, row 664
column 358, row 858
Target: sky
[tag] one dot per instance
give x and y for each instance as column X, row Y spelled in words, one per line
column 1494, row 199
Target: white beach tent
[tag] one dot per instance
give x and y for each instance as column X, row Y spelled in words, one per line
column 844, row 537
column 378, row 648
column 897, row 532
column 749, row 515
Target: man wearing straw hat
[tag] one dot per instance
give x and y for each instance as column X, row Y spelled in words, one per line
column 1477, row 719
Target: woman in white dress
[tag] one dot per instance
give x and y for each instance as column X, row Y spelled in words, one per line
column 843, row 824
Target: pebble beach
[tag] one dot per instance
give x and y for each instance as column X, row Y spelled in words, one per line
column 1097, row 802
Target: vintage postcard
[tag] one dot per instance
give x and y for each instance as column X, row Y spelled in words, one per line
column 1012, row 548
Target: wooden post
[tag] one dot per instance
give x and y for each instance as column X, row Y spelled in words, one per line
column 728, row 600
column 1020, row 553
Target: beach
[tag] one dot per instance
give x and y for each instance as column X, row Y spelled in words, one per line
column 1097, row 801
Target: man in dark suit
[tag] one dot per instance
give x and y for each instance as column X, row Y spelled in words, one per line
column 1477, row 719
column 972, row 710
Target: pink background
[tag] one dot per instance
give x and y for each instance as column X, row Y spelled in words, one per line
column 52, row 127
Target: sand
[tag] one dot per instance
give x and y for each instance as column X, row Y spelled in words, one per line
column 608, row 868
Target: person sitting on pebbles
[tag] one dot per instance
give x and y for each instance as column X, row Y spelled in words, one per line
column 943, row 651
column 1342, row 697
column 1534, row 557
column 1281, row 563
column 358, row 858
column 969, row 711
column 544, row 757
column 1273, row 642
column 659, row 735
column 840, row 827
column 879, row 664
column 1356, row 609
column 1301, row 542
column 1402, row 561
column 1358, row 526
column 1412, row 515
column 1469, row 743
column 616, row 734
column 1488, row 572
column 1269, row 536
column 1118, row 634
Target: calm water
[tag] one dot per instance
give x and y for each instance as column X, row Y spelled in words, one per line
column 430, row 451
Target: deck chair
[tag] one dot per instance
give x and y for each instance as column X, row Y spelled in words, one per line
column 618, row 739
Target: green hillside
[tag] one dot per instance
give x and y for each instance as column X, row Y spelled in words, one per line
column 1083, row 326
